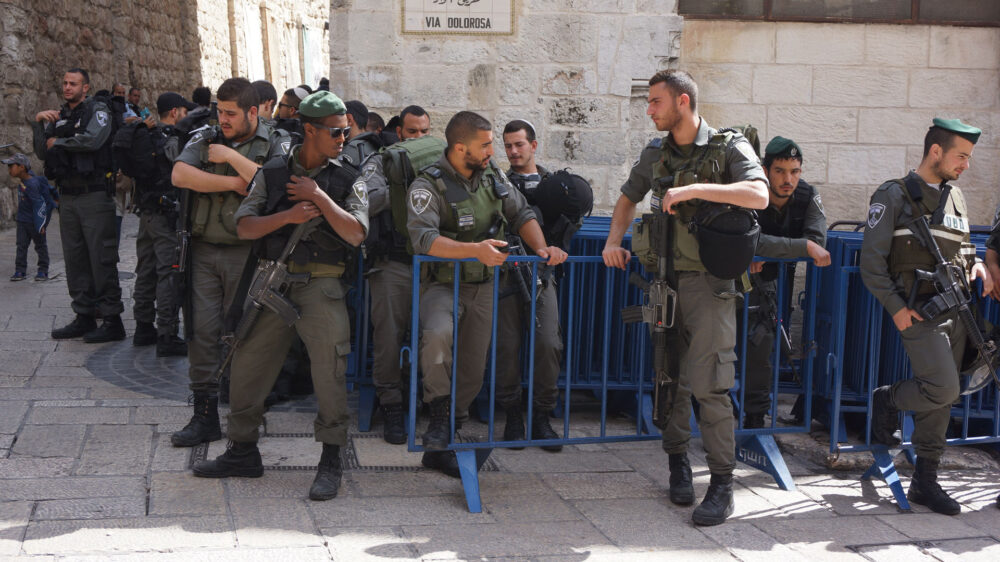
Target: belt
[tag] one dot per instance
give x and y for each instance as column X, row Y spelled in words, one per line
column 317, row 269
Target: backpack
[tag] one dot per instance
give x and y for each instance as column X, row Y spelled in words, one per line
column 135, row 150
column 400, row 163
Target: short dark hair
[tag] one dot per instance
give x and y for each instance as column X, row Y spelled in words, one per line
column 133, row 89
column 679, row 82
column 414, row 110
column 358, row 112
column 102, row 94
column 265, row 91
column 82, row 72
column 375, row 119
column 520, row 125
column 770, row 158
column 239, row 90
column 463, row 126
column 202, row 95
column 941, row 137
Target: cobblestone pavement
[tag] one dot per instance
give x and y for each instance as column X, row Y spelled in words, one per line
column 87, row 472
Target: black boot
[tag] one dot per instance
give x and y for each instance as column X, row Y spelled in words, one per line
column 542, row 429
column 395, row 424
column 438, row 433
column 204, row 424
column 681, row 487
column 924, row 489
column 240, row 459
column 445, row 461
column 79, row 326
column 328, row 475
column 145, row 334
column 885, row 417
column 170, row 346
column 513, row 428
column 111, row 329
column 753, row 421
column 718, row 503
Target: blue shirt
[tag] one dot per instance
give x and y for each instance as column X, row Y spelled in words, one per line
column 34, row 201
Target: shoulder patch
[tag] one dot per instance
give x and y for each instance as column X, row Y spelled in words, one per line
column 102, row 118
column 361, row 190
column 655, row 143
column 875, row 214
column 368, row 170
column 819, row 203
column 346, row 157
column 420, row 198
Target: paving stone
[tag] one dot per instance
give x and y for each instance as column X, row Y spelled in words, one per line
column 280, row 484
column 368, row 543
column 635, row 523
column 13, row 521
column 11, row 381
column 76, row 416
column 594, row 486
column 541, row 507
column 853, row 497
column 792, row 503
column 45, row 373
column 536, row 460
column 895, row 553
column 503, row 539
column 269, row 522
column 108, row 391
column 32, row 321
column 30, row 467
column 81, row 487
column 49, row 440
column 166, row 457
column 184, row 494
column 43, row 346
column 90, row 508
column 822, row 537
column 66, row 403
column 30, row 393
column 750, row 544
column 6, row 441
column 11, row 415
column 639, row 555
column 987, row 520
column 129, row 535
column 928, row 526
column 65, row 359
column 290, row 422
column 423, row 483
column 383, row 512
column 984, row 549
column 159, row 414
column 111, row 449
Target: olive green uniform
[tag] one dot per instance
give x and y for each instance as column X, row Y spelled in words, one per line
column 889, row 254
column 324, row 327
column 217, row 254
column 707, row 313
column 430, row 216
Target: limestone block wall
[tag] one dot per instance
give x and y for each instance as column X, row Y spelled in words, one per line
column 858, row 98
column 569, row 68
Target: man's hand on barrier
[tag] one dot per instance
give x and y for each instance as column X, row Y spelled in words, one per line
column 554, row 254
column 616, row 256
column 905, row 317
column 302, row 212
column 487, row 253
column 979, row 271
column 756, row 267
column 818, row 253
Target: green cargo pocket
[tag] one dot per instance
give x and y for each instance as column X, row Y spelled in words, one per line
column 226, row 211
column 109, row 252
column 332, row 288
column 725, row 371
column 642, row 246
column 199, row 217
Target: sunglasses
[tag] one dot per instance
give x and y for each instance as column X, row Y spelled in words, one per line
column 280, row 105
column 336, row 132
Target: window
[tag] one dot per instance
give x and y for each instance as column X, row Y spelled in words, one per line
column 950, row 12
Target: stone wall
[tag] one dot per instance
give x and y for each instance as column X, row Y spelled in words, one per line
column 858, row 98
column 569, row 68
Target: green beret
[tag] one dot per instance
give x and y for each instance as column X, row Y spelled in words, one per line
column 967, row 132
column 780, row 147
column 322, row 104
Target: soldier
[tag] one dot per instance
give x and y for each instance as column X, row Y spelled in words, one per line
column 520, row 145
column 707, row 304
column 217, row 164
column 460, row 208
column 889, row 256
column 290, row 190
column 156, row 243
column 362, row 143
column 792, row 226
column 75, row 143
column 268, row 97
column 390, row 276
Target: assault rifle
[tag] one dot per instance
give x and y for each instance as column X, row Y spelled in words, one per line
column 951, row 292
column 268, row 290
column 769, row 309
column 659, row 310
column 182, row 263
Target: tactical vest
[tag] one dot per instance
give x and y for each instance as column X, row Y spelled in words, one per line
column 705, row 164
column 528, row 190
column 794, row 221
column 468, row 217
column 151, row 190
column 322, row 245
column 212, row 213
column 79, row 168
column 951, row 235
column 358, row 149
column 400, row 163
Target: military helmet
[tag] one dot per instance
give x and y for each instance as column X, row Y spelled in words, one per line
column 727, row 238
column 563, row 193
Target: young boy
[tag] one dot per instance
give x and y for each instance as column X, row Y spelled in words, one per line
column 34, row 209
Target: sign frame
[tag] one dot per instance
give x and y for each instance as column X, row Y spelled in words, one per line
column 471, row 33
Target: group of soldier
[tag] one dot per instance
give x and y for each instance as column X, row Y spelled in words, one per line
column 305, row 190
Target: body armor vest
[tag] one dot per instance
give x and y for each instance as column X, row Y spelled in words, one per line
column 151, row 190
column 400, row 164
column 322, row 245
column 78, row 168
column 358, row 149
column 792, row 225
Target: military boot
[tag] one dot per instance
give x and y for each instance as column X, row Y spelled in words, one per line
column 753, row 421
column 80, row 325
column 541, row 428
column 111, row 329
column 513, row 427
column 240, row 459
column 718, row 503
column 681, row 487
column 445, row 461
column 169, row 345
column 395, row 424
column 145, row 334
column 329, row 472
column 438, row 433
column 204, row 425
column 925, row 490
column 885, row 417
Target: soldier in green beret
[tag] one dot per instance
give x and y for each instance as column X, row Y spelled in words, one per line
column 289, row 190
column 890, row 254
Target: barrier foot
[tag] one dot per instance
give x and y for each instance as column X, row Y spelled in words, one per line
column 469, row 463
column 646, row 422
column 761, row 452
column 366, row 406
column 884, row 468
